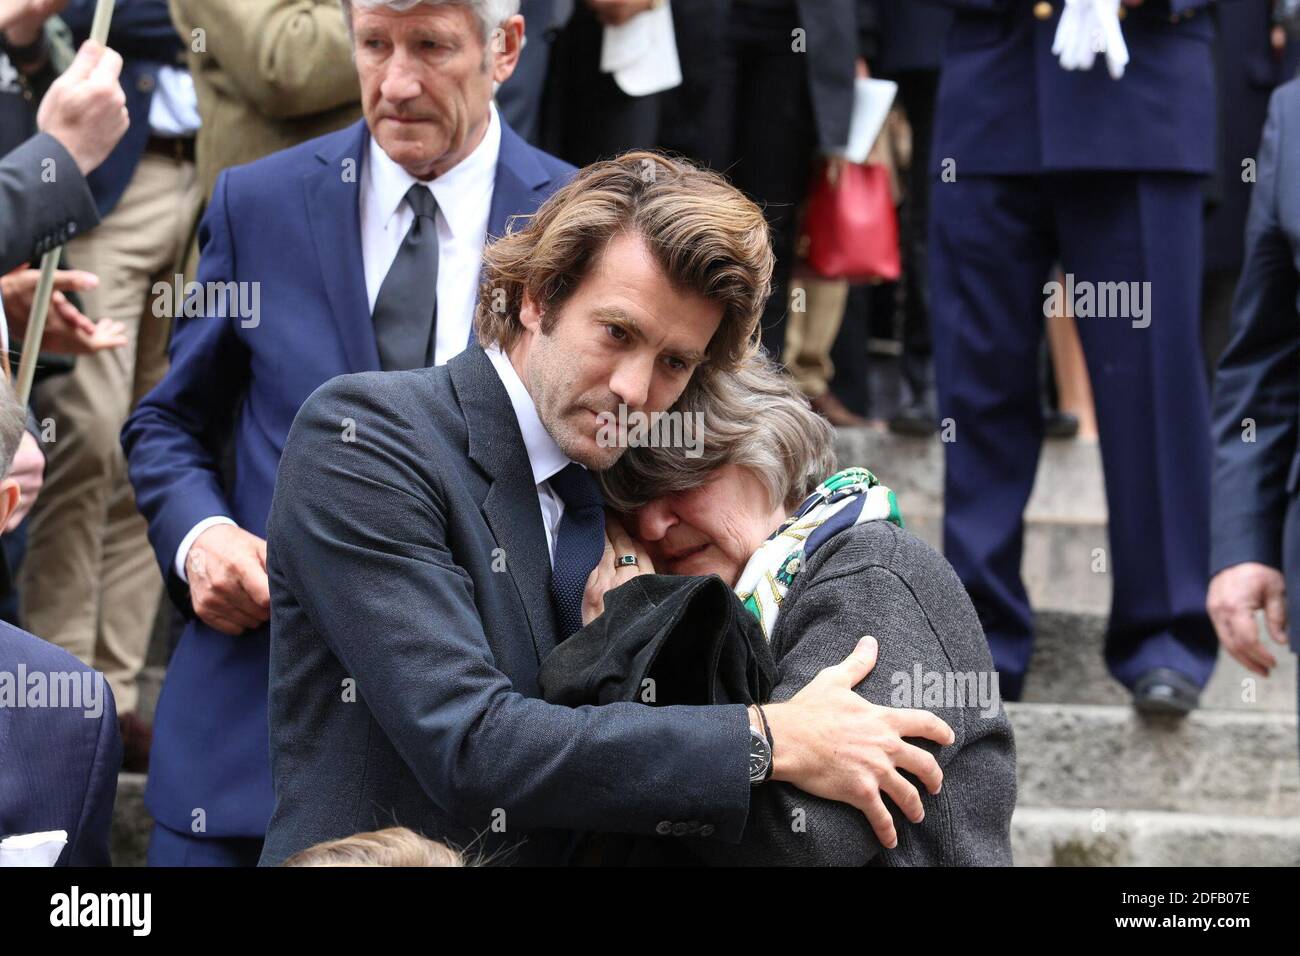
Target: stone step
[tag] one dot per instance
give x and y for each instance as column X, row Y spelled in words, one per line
column 1063, row 837
column 1065, row 519
column 1041, row 836
column 1058, row 560
column 1068, row 485
column 129, row 840
column 1093, row 757
column 1068, row 668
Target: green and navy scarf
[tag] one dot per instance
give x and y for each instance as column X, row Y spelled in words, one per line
column 845, row 499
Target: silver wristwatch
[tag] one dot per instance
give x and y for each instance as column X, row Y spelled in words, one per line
column 760, row 758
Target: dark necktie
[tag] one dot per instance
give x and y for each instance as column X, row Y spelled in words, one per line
column 406, row 308
column 579, row 543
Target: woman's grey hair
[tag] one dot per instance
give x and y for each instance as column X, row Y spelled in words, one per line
column 13, row 422
column 489, row 13
column 754, row 417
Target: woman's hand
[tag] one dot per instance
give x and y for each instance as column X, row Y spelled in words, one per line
column 608, row 573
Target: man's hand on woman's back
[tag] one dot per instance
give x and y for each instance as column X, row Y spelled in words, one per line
column 830, row 742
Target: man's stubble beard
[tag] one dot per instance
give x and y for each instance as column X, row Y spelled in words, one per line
column 545, row 372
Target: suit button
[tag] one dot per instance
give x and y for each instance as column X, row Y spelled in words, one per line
column 679, row 829
column 1122, row 12
column 1043, row 10
column 663, row 828
column 145, row 83
column 706, row 830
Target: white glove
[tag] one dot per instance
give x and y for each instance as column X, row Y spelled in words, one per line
column 1089, row 27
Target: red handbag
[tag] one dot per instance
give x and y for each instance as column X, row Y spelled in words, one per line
column 851, row 225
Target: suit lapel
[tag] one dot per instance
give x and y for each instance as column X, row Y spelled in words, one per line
column 510, row 506
column 332, row 205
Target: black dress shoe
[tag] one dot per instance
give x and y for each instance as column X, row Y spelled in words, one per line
column 1058, row 424
column 1163, row 690
column 915, row 418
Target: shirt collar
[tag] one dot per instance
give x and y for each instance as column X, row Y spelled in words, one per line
column 459, row 191
column 544, row 455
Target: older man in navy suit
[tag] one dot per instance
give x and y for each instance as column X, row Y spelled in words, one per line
column 357, row 251
column 1037, row 164
column 59, row 758
column 1255, row 553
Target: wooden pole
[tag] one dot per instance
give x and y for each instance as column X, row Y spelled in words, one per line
column 50, row 261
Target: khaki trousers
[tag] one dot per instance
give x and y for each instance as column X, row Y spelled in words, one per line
column 90, row 583
column 811, row 331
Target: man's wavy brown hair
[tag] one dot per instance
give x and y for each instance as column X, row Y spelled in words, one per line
column 707, row 237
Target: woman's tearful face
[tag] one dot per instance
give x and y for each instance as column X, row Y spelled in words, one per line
column 711, row 529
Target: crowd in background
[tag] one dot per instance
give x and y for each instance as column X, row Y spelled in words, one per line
column 1051, row 176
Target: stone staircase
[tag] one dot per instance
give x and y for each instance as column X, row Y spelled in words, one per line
column 1098, row 784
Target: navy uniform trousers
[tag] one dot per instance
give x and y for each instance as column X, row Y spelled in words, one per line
column 1103, row 176
column 994, row 240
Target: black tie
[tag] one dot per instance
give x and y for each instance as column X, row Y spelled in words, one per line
column 579, row 543
column 406, row 308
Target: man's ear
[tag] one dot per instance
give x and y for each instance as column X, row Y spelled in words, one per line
column 10, row 495
column 504, row 44
column 530, row 314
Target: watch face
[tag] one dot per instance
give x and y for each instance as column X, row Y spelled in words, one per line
column 760, row 756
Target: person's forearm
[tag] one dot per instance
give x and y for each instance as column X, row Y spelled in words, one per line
column 169, row 438
column 35, row 212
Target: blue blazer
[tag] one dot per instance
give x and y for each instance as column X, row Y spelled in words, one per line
column 143, row 32
column 1253, row 507
column 58, row 767
column 291, row 223
column 1006, row 106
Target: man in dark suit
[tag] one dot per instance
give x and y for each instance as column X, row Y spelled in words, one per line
column 1255, row 537
column 58, row 761
column 774, row 87
column 908, row 37
column 422, row 568
column 1035, row 164
column 358, row 250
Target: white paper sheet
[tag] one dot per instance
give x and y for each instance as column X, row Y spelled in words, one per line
column 872, row 100
column 642, row 53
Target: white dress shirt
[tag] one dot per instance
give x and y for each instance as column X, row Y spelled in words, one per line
column 174, row 109
column 464, row 196
column 544, row 455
